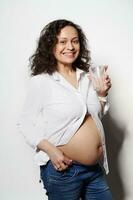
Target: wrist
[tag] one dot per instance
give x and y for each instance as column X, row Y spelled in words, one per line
column 102, row 98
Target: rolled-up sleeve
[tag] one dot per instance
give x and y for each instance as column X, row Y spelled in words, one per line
column 28, row 124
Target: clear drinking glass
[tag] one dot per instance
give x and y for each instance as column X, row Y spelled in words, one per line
column 96, row 72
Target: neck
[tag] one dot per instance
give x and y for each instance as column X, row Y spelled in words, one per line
column 65, row 69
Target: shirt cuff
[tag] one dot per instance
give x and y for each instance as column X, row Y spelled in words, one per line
column 106, row 108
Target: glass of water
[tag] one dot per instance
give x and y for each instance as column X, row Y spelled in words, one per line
column 97, row 70
column 96, row 73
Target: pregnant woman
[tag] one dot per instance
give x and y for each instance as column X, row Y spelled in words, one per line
column 61, row 118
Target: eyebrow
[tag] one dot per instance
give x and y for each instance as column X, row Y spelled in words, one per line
column 67, row 38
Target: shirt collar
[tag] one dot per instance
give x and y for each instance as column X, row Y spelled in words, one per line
column 55, row 76
column 79, row 72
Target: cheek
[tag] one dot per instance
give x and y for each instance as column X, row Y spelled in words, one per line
column 77, row 52
column 78, row 49
column 57, row 51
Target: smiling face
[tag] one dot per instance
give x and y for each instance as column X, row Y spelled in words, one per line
column 67, row 48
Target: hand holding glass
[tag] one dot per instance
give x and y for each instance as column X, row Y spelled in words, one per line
column 96, row 73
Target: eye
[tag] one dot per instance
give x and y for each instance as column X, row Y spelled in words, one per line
column 76, row 41
column 62, row 42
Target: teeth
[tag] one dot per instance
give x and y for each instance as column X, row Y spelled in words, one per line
column 70, row 54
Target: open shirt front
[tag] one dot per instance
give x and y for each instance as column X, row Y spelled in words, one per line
column 54, row 110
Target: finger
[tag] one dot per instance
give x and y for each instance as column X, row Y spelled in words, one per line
column 67, row 161
column 57, row 163
column 56, row 167
column 107, row 81
column 109, row 85
column 105, row 76
column 63, row 166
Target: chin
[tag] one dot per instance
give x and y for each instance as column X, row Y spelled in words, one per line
column 69, row 61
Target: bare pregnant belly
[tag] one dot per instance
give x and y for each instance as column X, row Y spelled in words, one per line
column 85, row 146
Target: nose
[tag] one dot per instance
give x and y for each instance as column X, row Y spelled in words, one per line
column 70, row 46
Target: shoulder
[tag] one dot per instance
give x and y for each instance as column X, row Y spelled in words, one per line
column 38, row 83
column 39, row 79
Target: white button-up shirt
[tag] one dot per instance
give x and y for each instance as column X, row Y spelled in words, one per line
column 54, row 110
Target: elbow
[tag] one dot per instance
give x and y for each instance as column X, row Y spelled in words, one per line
column 27, row 137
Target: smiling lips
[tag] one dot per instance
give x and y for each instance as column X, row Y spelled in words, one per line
column 70, row 54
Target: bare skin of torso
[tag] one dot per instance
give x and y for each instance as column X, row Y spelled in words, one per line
column 85, row 146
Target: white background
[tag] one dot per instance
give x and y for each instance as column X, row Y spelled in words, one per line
column 108, row 25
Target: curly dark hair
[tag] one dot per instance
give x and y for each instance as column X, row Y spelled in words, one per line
column 43, row 60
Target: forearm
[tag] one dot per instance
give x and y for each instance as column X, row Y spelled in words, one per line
column 45, row 146
column 59, row 160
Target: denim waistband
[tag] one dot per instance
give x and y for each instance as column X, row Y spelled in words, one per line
column 78, row 164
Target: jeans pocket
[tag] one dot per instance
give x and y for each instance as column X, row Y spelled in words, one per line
column 62, row 176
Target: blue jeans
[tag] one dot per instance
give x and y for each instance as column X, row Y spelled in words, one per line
column 78, row 181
